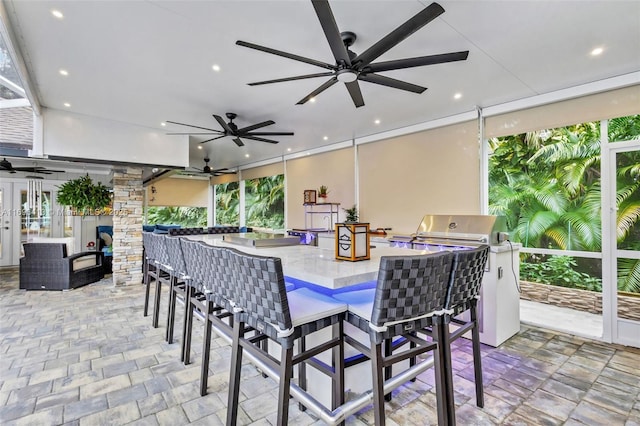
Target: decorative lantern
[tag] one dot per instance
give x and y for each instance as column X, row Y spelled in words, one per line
column 352, row 241
column 309, row 196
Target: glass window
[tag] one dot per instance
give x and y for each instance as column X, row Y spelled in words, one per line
column 264, row 201
column 187, row 217
column 624, row 128
column 228, row 204
column 547, row 184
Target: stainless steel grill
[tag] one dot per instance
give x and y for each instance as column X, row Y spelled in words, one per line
column 498, row 308
column 444, row 232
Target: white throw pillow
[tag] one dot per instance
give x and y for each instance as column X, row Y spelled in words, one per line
column 106, row 238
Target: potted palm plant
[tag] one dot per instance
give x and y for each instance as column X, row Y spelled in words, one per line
column 352, row 214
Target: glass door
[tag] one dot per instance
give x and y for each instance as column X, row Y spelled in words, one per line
column 625, row 175
column 6, row 211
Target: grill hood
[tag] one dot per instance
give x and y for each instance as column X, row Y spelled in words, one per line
column 473, row 228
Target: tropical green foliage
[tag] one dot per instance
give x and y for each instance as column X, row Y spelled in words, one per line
column 83, row 195
column 547, row 184
column 228, row 204
column 264, row 198
column 560, row 271
column 187, row 217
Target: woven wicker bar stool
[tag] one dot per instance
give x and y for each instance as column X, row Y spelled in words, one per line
column 177, row 283
column 410, row 295
column 148, row 268
column 463, row 293
column 195, row 300
column 162, row 274
column 260, row 300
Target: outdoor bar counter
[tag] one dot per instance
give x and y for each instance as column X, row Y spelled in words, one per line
column 317, row 268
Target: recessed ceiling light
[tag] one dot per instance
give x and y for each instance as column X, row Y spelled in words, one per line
column 377, row 121
column 163, row 124
column 67, row 104
column 288, row 149
column 325, row 138
column 64, row 72
column 457, row 96
column 308, row 153
column 246, row 155
column 597, row 51
column 216, row 67
column 199, row 147
column 312, row 100
column 57, row 14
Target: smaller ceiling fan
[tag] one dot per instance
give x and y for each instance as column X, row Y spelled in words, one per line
column 213, row 172
column 6, row 166
column 231, row 129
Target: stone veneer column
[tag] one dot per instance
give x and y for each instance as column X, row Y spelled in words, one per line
column 127, row 226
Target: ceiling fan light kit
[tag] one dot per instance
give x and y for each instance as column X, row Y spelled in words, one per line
column 350, row 67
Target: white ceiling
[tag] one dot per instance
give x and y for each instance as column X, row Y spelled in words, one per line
column 145, row 62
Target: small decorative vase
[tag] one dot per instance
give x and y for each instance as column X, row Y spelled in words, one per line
column 322, row 200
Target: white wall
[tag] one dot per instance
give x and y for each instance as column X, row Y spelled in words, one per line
column 81, row 136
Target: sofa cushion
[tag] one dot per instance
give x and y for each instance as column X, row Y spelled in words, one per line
column 148, row 228
column 84, row 262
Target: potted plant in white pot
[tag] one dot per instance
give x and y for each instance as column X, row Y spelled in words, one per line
column 323, row 193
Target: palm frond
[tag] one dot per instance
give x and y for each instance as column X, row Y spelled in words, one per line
column 629, row 275
column 628, row 215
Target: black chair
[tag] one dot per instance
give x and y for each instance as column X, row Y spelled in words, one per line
column 260, row 300
column 149, row 269
column 202, row 297
column 46, row 266
column 161, row 273
column 410, row 295
column 463, row 293
column 186, row 231
column 177, row 284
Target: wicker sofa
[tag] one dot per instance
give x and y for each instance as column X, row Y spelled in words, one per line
column 46, row 266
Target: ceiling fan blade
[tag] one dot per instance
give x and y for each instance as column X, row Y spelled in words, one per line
column 255, row 138
column 223, row 123
column 190, row 133
column 270, row 134
column 285, row 54
column 391, row 82
column 356, row 93
column 299, row 77
column 417, row 62
column 238, row 141
column 256, row 126
column 418, row 21
column 331, row 31
column 213, row 139
column 220, row 173
column 190, row 125
column 319, row 90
